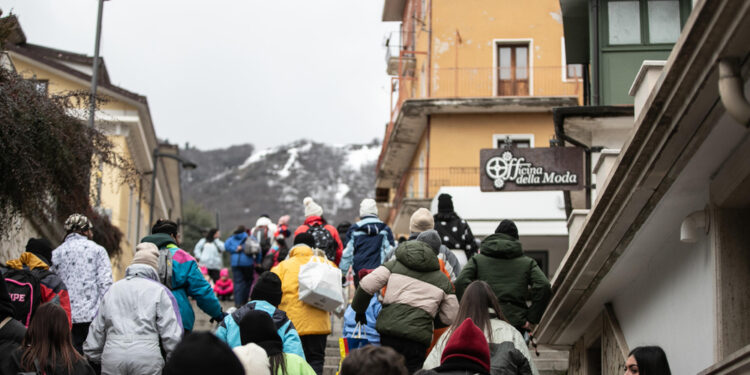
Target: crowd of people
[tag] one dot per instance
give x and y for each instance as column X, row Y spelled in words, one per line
column 437, row 301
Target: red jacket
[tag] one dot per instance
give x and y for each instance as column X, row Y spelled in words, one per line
column 312, row 220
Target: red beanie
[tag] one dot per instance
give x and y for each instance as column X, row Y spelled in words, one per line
column 468, row 341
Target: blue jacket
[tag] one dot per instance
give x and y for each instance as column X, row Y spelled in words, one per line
column 372, row 316
column 187, row 281
column 239, row 258
column 370, row 240
column 229, row 329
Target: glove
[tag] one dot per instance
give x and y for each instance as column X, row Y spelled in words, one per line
column 361, row 318
column 221, row 319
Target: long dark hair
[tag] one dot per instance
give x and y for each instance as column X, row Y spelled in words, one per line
column 651, row 360
column 210, row 235
column 48, row 340
column 475, row 304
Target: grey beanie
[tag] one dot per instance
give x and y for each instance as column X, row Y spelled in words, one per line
column 432, row 239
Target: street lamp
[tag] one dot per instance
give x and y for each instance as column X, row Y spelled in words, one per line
column 186, row 164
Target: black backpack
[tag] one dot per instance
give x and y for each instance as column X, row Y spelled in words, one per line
column 264, row 240
column 25, row 293
column 324, row 241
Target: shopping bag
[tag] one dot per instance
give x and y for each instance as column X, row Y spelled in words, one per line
column 320, row 284
column 358, row 340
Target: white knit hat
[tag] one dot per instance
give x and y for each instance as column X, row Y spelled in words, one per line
column 421, row 220
column 148, row 254
column 312, row 208
column 368, row 207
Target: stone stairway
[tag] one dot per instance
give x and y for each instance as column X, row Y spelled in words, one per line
column 333, row 355
column 550, row 361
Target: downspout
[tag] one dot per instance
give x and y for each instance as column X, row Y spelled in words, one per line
column 731, row 91
column 429, row 54
column 595, row 52
column 427, row 162
column 558, row 119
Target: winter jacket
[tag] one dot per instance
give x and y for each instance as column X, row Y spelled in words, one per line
column 209, row 253
column 137, row 319
column 224, row 287
column 53, row 289
column 11, row 336
column 84, row 268
column 80, row 366
column 187, row 281
column 370, row 240
column 506, row 341
column 239, row 258
column 317, row 220
column 308, row 319
column 229, row 328
column 455, row 233
column 511, row 275
column 418, row 295
column 350, row 322
column 296, row 365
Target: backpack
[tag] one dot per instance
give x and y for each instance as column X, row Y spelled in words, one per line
column 25, row 293
column 165, row 267
column 264, row 240
column 324, row 241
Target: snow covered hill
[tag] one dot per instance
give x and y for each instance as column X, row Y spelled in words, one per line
column 242, row 184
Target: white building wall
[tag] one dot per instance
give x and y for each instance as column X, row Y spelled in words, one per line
column 670, row 303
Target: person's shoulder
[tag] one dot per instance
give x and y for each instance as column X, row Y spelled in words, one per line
column 181, row 256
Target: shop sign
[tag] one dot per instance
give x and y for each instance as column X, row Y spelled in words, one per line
column 520, row 169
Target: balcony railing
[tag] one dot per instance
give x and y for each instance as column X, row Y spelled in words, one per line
column 425, row 182
column 494, row 81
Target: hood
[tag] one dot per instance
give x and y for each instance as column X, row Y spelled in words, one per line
column 161, row 240
column 501, row 245
column 239, row 236
column 29, row 260
column 370, row 226
column 312, row 220
column 141, row 270
column 300, row 250
column 418, row 256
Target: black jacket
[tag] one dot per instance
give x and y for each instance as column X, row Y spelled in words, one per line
column 11, row 336
column 455, row 233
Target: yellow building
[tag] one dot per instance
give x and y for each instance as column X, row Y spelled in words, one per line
column 125, row 118
column 466, row 75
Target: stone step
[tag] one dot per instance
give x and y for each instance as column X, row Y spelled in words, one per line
column 330, row 370
column 333, row 352
column 332, row 361
column 551, row 365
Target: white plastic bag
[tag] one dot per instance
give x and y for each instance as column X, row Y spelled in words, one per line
column 320, row 284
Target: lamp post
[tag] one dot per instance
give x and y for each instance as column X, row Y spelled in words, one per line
column 187, row 164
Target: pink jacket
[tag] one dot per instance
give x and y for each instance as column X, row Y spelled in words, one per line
column 224, row 287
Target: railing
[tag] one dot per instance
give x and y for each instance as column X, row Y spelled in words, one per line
column 489, row 81
column 425, row 182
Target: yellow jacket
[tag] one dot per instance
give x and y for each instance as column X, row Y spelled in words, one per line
column 308, row 319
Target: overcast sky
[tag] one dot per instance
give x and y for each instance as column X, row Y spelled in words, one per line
column 224, row 72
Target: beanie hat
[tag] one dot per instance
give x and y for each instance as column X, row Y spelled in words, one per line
column 507, row 227
column 445, row 203
column 224, row 272
column 304, row 238
column 204, row 270
column 284, row 220
column 253, row 358
column 263, row 221
column 257, row 326
column 368, row 207
column 146, row 253
column 421, row 220
column 77, row 223
column 431, row 238
column 267, row 288
column 203, row 353
column 312, row 208
column 40, row 247
column 468, row 342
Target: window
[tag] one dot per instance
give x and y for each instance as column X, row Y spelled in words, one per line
column 570, row 71
column 516, row 140
column 513, row 69
column 643, row 22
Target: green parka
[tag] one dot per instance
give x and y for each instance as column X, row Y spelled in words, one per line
column 511, row 275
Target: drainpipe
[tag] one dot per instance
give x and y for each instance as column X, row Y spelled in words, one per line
column 731, row 91
column 595, row 53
